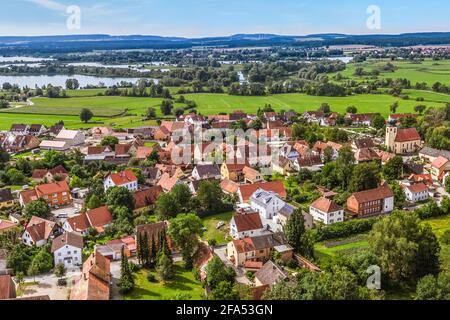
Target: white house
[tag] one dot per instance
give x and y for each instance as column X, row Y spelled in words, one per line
column 266, row 203
column 206, row 171
column 67, row 249
column 246, row 225
column 326, row 211
column 39, row 231
column 125, row 179
column 416, row 192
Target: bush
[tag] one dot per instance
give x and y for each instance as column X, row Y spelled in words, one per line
column 430, row 210
column 445, row 239
column 293, row 264
column 151, row 277
column 343, row 229
column 196, row 273
column 250, row 275
column 134, row 267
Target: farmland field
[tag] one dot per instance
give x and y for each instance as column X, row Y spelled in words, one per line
column 426, row 71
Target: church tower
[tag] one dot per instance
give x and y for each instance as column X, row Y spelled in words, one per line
column 391, row 134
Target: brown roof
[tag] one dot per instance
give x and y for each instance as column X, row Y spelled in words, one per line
column 143, row 152
column 275, row 186
column 147, row 197
column 6, row 224
column 98, row 149
column 246, row 222
column 7, row 288
column 325, row 205
column 39, row 173
column 167, row 182
column 364, row 143
column 40, row 229
column 379, row 193
column 99, row 218
column 67, row 239
column 270, row 274
column 439, row 162
column 250, row 173
column 79, row 223
column 366, row 154
column 309, row 161
column 28, row 195
column 409, row 134
column 244, row 245
column 6, row 195
column 229, row 186
column 122, row 149
column 94, row 281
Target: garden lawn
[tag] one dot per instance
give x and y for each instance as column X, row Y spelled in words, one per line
column 329, row 249
column 439, row 226
column 212, row 232
column 184, row 286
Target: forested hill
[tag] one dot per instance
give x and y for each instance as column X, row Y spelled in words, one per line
column 70, row 43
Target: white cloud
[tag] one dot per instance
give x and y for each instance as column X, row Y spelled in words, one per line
column 50, row 4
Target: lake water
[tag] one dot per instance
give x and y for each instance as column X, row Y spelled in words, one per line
column 23, row 59
column 60, row 80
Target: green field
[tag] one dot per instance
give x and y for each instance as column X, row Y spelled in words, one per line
column 440, row 225
column 427, row 71
column 183, row 287
column 212, row 232
column 327, row 250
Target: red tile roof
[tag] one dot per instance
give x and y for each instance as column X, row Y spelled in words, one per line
column 417, row 188
column 7, row 287
column 229, row 186
column 325, row 205
column 99, row 218
column 39, row 229
column 123, row 177
column 379, row 193
column 409, row 134
column 246, row 222
column 51, row 188
column 244, row 245
column 275, row 186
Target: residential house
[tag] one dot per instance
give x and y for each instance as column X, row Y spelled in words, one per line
column 55, row 129
column 13, row 143
column 402, row 141
column 313, row 116
column 19, row 128
column 151, row 175
column 439, row 167
column 232, row 171
column 285, row 213
column 125, row 179
column 245, row 192
column 361, row 119
column 229, row 187
column 98, row 219
column 253, row 252
column 326, row 211
column 6, row 199
column 7, row 287
column 417, row 192
column 429, row 154
column 39, row 231
column 362, row 143
column 95, row 280
column 54, row 145
column 266, row 203
column 168, row 181
column 145, row 199
column 371, row 202
column 246, row 225
column 283, row 166
column 6, row 225
column 67, row 249
column 58, row 173
column 206, row 171
column 425, row 178
column 98, row 133
column 252, row 176
column 113, row 248
column 366, row 155
column 270, row 274
column 56, row 194
column 37, row 130
column 311, row 163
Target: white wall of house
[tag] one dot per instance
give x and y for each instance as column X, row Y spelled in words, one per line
column 108, row 183
column 417, row 196
column 68, row 255
column 326, row 218
column 388, row 204
column 27, row 240
column 269, row 210
column 243, row 234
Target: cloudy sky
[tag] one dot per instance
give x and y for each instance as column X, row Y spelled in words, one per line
column 192, row 18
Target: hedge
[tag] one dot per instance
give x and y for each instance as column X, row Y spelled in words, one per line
column 344, row 229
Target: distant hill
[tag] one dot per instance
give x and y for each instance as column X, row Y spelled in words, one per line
column 68, row 43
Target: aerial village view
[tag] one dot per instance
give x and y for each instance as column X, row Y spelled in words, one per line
column 186, row 164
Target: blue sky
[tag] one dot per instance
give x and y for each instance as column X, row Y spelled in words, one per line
column 192, row 18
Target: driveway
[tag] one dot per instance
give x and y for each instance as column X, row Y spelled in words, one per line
column 48, row 285
column 240, row 272
column 69, row 211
